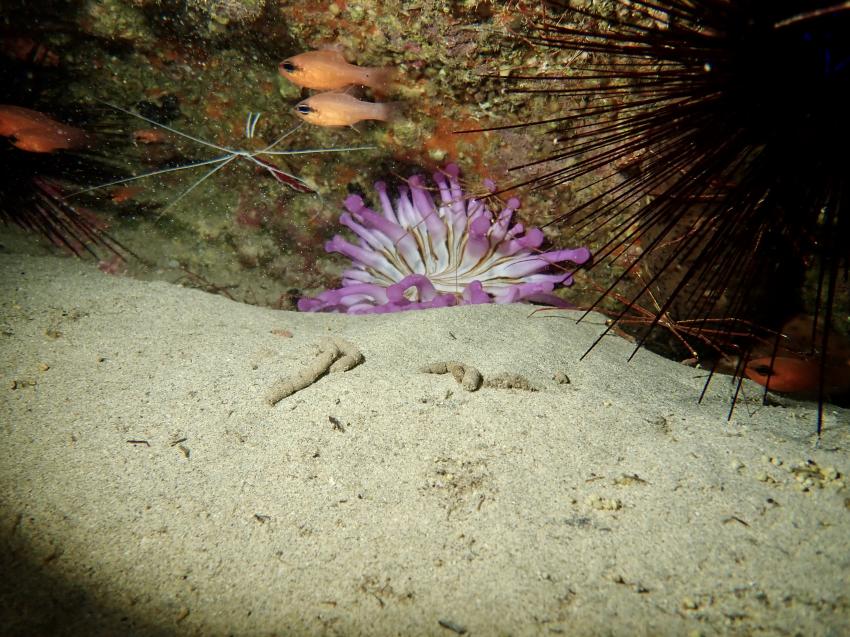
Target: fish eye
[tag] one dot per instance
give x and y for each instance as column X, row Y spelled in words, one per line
column 288, row 66
column 304, row 109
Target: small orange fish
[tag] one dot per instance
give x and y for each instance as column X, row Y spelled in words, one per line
column 786, row 374
column 37, row 133
column 329, row 71
column 801, row 377
column 341, row 109
column 796, row 369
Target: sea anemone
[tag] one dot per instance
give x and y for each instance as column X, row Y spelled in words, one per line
column 423, row 253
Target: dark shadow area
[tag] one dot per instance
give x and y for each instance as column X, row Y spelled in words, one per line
column 35, row 602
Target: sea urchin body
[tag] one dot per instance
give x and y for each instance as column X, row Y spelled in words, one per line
column 709, row 138
column 422, row 253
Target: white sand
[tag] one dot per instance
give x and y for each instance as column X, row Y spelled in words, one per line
column 612, row 505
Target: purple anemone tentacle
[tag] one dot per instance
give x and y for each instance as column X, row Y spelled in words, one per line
column 424, row 288
column 424, row 251
column 474, row 294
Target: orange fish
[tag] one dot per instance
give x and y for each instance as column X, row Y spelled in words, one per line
column 329, row 71
column 37, row 133
column 796, row 369
column 341, row 109
column 786, row 374
column 799, row 376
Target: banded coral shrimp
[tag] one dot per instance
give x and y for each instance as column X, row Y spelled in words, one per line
column 236, row 227
column 230, row 154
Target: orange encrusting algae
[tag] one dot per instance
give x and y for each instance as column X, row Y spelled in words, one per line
column 441, row 142
column 35, row 132
column 148, row 136
column 125, row 194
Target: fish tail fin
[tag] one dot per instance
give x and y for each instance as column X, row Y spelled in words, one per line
column 391, row 111
column 380, row 79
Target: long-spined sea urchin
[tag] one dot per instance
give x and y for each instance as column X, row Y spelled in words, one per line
column 714, row 137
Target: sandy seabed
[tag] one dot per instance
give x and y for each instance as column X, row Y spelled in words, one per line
column 148, row 488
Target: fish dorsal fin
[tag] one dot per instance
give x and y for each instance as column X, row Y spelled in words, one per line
column 332, row 55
